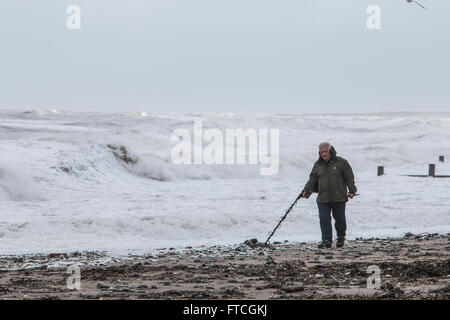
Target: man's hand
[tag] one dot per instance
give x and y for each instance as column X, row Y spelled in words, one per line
column 351, row 195
column 305, row 195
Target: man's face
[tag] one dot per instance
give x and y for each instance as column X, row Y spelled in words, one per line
column 325, row 154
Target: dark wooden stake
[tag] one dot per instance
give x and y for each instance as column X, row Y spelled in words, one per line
column 380, row 171
column 431, row 169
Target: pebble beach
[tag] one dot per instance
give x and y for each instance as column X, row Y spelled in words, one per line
column 409, row 267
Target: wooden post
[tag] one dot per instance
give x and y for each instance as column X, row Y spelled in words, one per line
column 441, row 158
column 431, row 170
column 380, row 170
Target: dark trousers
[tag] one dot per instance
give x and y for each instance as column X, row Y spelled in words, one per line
column 338, row 210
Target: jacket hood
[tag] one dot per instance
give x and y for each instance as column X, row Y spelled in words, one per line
column 332, row 153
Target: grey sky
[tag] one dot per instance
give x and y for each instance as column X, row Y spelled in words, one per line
column 245, row 56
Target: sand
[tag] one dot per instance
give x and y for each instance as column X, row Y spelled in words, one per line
column 411, row 267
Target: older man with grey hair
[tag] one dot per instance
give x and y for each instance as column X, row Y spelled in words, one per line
column 331, row 176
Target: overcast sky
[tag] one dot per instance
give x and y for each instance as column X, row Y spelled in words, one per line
column 244, row 56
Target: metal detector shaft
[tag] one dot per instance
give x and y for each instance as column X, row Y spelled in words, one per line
column 284, row 217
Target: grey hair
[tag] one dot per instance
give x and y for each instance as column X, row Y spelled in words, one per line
column 325, row 144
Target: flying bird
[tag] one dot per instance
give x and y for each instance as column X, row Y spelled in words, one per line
column 416, row 2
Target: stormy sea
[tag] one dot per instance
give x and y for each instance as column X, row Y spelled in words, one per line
column 107, row 181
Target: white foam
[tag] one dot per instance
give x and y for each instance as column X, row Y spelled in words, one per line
column 17, row 186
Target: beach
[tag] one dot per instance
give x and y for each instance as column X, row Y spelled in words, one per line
column 410, row 267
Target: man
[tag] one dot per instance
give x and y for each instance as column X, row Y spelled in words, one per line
column 330, row 177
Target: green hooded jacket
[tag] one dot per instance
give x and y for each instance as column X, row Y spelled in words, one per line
column 331, row 179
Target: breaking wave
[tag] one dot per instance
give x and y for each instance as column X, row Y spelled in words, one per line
column 17, row 186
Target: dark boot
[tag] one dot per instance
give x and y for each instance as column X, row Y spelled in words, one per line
column 324, row 244
column 340, row 242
